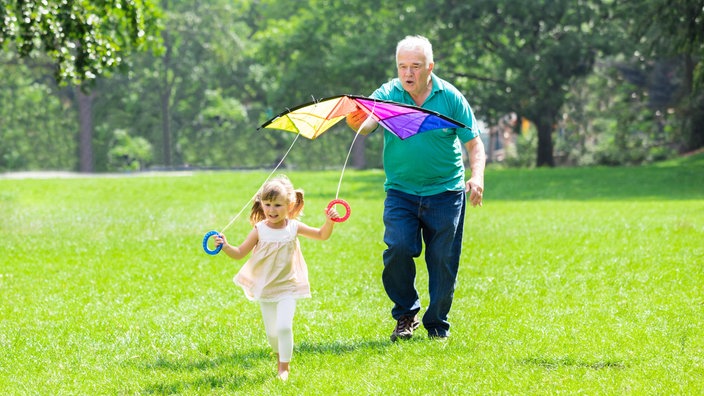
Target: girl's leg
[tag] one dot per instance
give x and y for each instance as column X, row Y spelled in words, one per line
column 284, row 325
column 278, row 323
column 269, row 316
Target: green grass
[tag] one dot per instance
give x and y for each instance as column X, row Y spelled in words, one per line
column 573, row 281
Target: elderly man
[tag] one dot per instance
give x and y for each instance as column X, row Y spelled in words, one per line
column 425, row 190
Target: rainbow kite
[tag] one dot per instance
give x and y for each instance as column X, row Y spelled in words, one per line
column 312, row 119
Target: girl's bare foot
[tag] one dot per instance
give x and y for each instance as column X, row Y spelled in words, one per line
column 283, row 371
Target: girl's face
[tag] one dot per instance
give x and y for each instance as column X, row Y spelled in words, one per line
column 276, row 211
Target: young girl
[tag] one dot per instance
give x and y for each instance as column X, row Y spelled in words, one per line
column 276, row 275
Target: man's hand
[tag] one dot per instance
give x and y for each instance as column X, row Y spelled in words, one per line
column 476, row 193
column 360, row 122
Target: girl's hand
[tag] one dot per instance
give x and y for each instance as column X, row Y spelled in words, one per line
column 332, row 213
column 220, row 240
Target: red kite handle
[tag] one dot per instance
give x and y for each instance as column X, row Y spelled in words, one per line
column 347, row 208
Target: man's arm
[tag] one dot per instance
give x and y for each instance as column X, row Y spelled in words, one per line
column 477, row 162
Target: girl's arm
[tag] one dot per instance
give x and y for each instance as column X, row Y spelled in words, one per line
column 323, row 232
column 241, row 251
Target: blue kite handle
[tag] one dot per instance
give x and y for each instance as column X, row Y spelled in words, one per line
column 205, row 243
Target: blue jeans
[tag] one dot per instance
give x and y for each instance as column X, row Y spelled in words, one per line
column 410, row 220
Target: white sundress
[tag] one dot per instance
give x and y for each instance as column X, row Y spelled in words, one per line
column 276, row 269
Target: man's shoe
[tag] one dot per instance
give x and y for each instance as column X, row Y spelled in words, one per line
column 404, row 327
column 435, row 334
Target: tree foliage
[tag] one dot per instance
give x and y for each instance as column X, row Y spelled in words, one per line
column 35, row 132
column 522, row 59
column 129, row 153
column 671, row 34
column 594, row 78
column 326, row 48
column 83, row 39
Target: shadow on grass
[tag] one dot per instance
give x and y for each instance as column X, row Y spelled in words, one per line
column 204, row 384
column 230, row 372
column 339, row 348
column 563, row 362
column 236, row 371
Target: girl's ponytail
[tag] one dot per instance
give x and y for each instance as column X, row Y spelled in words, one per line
column 296, row 205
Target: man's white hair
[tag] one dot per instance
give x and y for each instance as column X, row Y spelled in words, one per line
column 416, row 42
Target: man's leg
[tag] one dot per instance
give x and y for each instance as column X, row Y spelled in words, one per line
column 442, row 218
column 403, row 240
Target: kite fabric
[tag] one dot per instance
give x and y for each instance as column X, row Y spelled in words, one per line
column 314, row 118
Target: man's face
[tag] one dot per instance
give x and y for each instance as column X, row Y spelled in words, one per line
column 413, row 70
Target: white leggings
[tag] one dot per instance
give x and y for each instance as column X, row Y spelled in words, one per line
column 278, row 323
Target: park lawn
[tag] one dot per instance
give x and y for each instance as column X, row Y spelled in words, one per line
column 572, row 281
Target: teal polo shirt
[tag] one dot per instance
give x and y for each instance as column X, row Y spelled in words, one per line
column 430, row 162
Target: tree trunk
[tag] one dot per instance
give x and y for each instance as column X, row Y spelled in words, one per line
column 693, row 114
column 544, row 126
column 166, row 125
column 359, row 160
column 85, row 121
column 166, row 101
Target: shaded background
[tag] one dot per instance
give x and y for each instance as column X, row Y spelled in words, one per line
column 125, row 85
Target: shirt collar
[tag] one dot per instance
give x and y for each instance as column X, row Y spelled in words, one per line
column 436, row 88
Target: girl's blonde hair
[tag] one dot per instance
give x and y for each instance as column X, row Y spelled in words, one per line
column 279, row 186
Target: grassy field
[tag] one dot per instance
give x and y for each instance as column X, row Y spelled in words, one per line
column 573, row 281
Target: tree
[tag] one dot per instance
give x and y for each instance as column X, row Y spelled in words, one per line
column 673, row 31
column 33, row 125
column 523, row 59
column 204, row 83
column 198, row 102
column 331, row 47
column 83, row 40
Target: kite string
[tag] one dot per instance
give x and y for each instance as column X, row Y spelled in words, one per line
column 266, row 180
column 339, row 183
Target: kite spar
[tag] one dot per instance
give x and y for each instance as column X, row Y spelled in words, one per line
column 312, row 119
